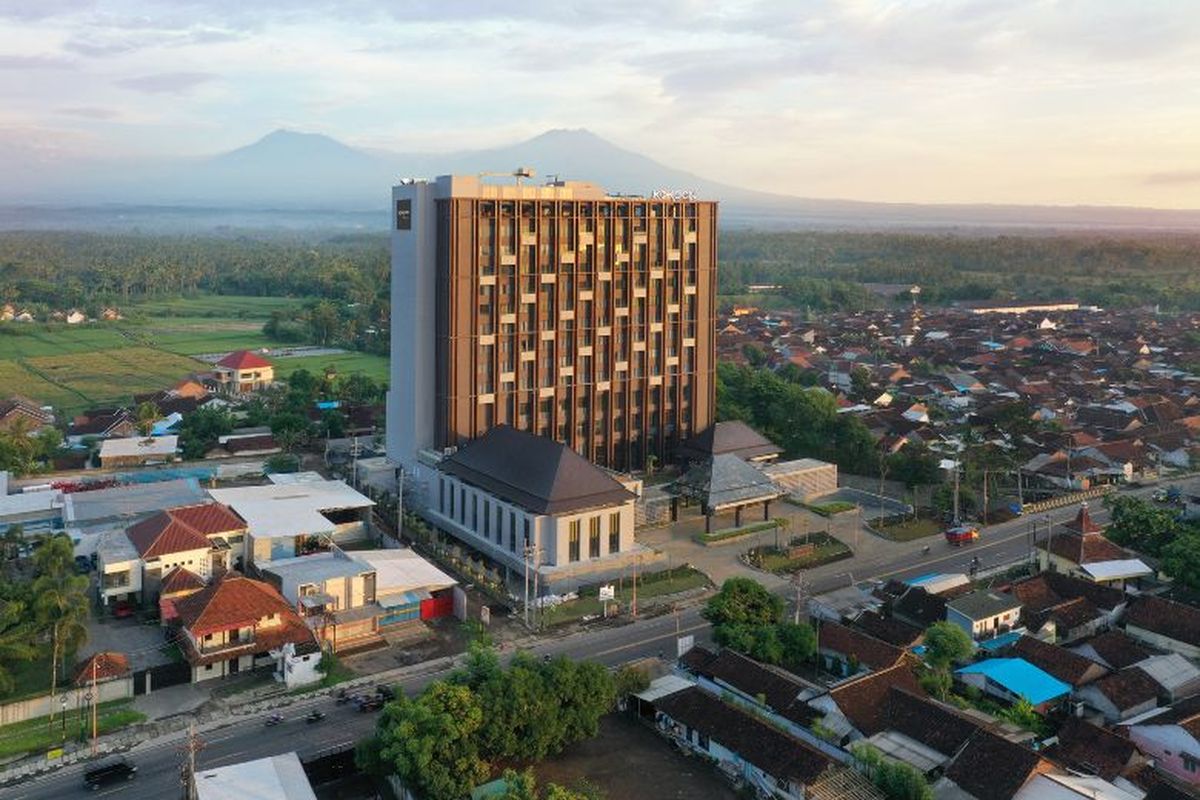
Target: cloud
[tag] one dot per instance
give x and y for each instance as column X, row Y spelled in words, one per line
column 89, row 112
column 124, row 36
column 36, row 62
column 29, row 10
column 1174, row 178
column 167, row 82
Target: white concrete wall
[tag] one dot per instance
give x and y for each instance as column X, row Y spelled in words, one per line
column 40, row 706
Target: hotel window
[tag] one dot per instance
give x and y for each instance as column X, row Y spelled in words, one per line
column 451, row 493
column 462, row 506
column 614, row 532
column 487, row 518
column 442, row 495
column 594, row 537
column 573, row 540
column 527, row 531
column 512, row 527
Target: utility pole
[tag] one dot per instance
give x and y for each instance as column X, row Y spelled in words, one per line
column 95, row 705
column 528, row 555
column 956, row 468
column 399, row 503
column 537, row 557
column 187, row 769
column 633, row 605
column 800, row 587
column 1049, row 542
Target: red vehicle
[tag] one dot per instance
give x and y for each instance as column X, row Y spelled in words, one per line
column 123, row 609
column 962, row 534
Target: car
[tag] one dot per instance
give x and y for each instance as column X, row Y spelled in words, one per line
column 83, row 565
column 108, row 772
column 123, row 609
column 371, row 703
column 385, row 692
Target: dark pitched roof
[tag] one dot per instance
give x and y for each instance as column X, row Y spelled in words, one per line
column 759, row 743
column 1088, row 748
column 1087, row 548
column 1051, row 588
column 1117, row 648
column 1128, row 688
column 725, row 481
column 991, row 767
column 931, row 723
column 862, row 700
column 1060, row 662
column 920, row 607
column 1083, row 522
column 534, row 472
column 867, row 649
column 733, row 437
column 780, row 692
column 1168, row 618
column 888, row 629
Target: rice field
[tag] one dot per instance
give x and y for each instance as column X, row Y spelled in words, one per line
column 108, row 376
column 372, row 366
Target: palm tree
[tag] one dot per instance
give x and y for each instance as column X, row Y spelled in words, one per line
column 147, row 415
column 15, row 644
column 61, row 609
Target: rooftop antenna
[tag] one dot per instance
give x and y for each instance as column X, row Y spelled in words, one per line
column 518, row 173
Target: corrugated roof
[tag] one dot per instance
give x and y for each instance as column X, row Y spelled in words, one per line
column 1021, row 678
column 534, row 472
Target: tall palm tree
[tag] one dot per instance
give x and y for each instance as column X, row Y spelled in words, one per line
column 61, row 609
column 15, row 644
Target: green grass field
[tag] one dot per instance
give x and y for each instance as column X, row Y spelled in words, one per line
column 73, row 367
column 372, row 366
column 37, row 734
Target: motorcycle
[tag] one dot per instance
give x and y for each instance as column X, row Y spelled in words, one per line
column 343, row 698
column 315, row 715
column 273, row 720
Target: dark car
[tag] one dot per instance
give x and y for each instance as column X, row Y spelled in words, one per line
column 109, row 772
column 83, row 565
column 385, row 692
column 370, row 703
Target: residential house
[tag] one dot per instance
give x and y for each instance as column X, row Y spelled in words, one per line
column 888, row 629
column 1088, row 749
column 243, row 372
column 1061, row 608
column 1165, row 624
column 75, row 317
column 855, row 709
column 118, row 568
column 1081, row 550
column 100, row 423
column 297, row 513
column 1113, row 649
column 744, row 746
column 529, row 502
column 984, row 613
column 407, row 587
column 922, row 732
column 138, row 451
column 1176, row 676
column 1013, row 679
column 335, row 594
column 845, row 651
column 1171, row 737
column 1122, row 695
column 919, row 608
column 1070, row 668
column 205, row 539
column 21, row 410
column 990, row 767
column 233, row 624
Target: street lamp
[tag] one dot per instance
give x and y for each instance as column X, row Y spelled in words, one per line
column 63, row 701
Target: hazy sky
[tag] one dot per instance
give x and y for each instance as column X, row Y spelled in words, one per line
column 1038, row 101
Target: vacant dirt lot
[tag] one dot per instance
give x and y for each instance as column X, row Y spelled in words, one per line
column 629, row 761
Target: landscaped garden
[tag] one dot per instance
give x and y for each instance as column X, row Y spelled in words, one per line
column 802, row 552
column 908, row 529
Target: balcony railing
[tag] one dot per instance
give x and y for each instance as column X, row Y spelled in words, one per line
column 232, row 643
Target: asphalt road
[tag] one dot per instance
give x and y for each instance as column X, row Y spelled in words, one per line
column 247, row 738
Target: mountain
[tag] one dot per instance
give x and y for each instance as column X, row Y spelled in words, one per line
column 297, row 172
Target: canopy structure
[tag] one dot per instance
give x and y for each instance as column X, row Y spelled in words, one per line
column 726, row 482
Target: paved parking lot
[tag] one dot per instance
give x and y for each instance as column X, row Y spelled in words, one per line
column 144, row 644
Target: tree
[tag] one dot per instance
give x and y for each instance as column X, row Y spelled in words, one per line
column 1142, row 526
column 860, row 383
column 56, row 557
column 798, row 644
column 897, row 780
column 61, row 609
column 145, row 416
column 200, row 430
column 1181, row 560
column 430, row 742
column 946, row 644
column 743, row 601
column 629, row 680
column 15, row 640
column 915, row 465
column 14, row 537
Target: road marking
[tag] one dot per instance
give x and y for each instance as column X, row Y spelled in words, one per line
column 630, row 645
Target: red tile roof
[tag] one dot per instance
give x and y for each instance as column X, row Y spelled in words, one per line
column 1058, row 661
column 292, row 629
column 244, row 359
column 1085, row 549
column 863, row 700
column 108, row 665
column 868, row 650
column 233, row 601
column 184, row 528
column 181, row 579
column 1083, row 522
column 1166, row 617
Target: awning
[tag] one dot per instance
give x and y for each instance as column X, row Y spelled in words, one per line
column 316, row 600
column 403, row 599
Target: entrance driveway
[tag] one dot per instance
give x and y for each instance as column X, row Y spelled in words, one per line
column 143, row 644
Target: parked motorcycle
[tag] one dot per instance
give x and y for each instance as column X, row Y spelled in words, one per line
column 274, row 720
column 315, row 715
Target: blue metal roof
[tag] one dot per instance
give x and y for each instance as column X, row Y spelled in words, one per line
column 926, row 578
column 1021, row 678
